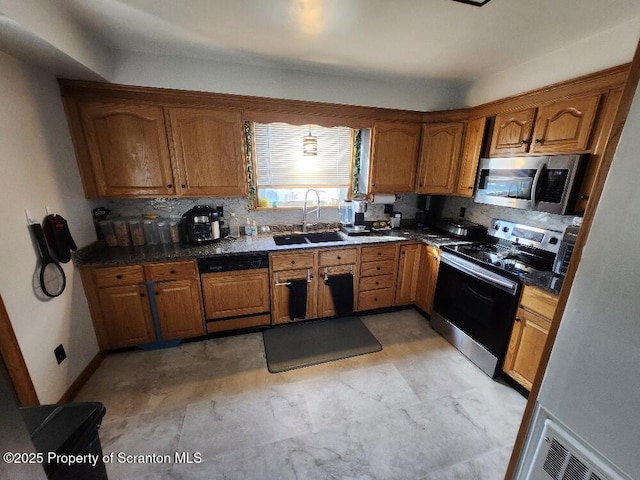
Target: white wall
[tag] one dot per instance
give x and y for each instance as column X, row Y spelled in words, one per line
column 39, row 169
column 606, row 49
column 276, row 82
column 592, row 384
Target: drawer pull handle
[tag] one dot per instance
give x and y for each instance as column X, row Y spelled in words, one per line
column 172, row 272
column 119, row 277
column 523, row 141
column 377, row 283
column 377, row 268
column 339, row 257
column 169, row 185
column 517, row 319
column 379, row 253
column 183, row 186
column 375, row 299
column 293, row 262
column 157, row 293
column 142, row 295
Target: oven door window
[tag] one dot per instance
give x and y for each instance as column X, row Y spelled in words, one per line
column 482, row 311
column 506, row 183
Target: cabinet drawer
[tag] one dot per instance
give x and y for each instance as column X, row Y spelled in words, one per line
column 124, row 275
column 384, row 267
column 539, row 301
column 171, row 271
column 375, row 299
column 376, row 283
column 380, row 252
column 291, row 261
column 338, row 256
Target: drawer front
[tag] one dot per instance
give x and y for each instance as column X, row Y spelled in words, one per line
column 381, row 252
column 291, row 261
column 338, row 256
column 171, row 270
column 372, row 299
column 376, row 283
column 123, row 275
column 539, row 301
column 385, row 267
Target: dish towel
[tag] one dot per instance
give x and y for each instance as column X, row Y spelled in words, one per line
column 341, row 288
column 297, row 299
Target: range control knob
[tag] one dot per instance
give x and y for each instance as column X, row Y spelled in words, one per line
column 553, row 240
column 505, row 229
column 496, row 226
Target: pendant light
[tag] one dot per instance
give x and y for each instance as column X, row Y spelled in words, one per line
column 309, row 145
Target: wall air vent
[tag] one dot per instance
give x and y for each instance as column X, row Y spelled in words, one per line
column 477, row 3
column 559, row 456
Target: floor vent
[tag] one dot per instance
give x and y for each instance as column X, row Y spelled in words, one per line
column 559, row 456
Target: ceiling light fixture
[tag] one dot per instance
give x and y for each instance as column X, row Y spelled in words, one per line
column 477, row 3
column 309, row 145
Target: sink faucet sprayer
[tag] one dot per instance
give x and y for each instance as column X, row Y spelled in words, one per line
column 305, row 211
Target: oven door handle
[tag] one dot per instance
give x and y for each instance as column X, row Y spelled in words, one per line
column 534, row 185
column 480, row 273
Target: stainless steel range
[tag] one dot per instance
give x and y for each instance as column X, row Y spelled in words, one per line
column 479, row 287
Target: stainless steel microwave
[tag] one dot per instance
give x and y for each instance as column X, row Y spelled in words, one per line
column 546, row 184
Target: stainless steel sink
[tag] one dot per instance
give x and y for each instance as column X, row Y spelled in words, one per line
column 302, row 238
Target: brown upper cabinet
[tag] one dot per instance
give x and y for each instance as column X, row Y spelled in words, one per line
column 394, row 156
column 208, row 147
column 440, row 157
column 563, row 126
column 449, row 157
column 127, row 150
column 134, row 149
column 471, row 150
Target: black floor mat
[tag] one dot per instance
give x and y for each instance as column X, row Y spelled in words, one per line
column 299, row 345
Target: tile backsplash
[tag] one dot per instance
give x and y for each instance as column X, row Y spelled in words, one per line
column 175, row 207
column 482, row 214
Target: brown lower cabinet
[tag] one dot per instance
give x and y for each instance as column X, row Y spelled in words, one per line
column 408, row 269
column 377, row 272
column 312, row 267
column 234, row 300
column 121, row 310
column 427, row 277
column 529, row 335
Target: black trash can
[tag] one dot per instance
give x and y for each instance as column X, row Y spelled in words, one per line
column 68, row 430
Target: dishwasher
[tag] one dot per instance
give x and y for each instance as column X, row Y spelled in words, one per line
column 235, row 291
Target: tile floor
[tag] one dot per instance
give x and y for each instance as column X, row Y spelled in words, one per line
column 416, row 410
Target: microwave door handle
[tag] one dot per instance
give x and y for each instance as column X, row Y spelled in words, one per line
column 534, row 186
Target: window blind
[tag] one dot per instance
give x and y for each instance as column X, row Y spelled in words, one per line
column 281, row 164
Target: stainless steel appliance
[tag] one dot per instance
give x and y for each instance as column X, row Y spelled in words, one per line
column 561, row 263
column 546, row 184
column 201, row 225
column 479, row 286
column 355, row 215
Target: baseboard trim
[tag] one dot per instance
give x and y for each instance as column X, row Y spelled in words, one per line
column 84, row 376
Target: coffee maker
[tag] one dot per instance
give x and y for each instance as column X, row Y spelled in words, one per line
column 201, row 225
column 352, row 217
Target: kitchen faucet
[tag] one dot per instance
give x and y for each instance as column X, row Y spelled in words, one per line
column 305, row 229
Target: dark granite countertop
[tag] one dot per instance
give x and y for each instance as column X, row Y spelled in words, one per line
column 98, row 254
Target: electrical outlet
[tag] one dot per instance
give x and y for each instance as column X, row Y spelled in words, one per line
column 60, row 354
column 462, row 211
column 220, row 210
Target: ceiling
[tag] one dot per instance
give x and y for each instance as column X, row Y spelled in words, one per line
column 438, row 39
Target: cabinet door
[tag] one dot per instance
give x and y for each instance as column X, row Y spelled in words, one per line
column 179, row 309
column 126, row 315
column 128, row 149
column 235, row 294
column 394, row 157
column 527, row 341
column 326, row 306
column 209, row 151
column 281, row 294
column 408, row 269
column 565, row 127
column 471, row 150
column 427, row 277
column 440, row 157
column 512, row 133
